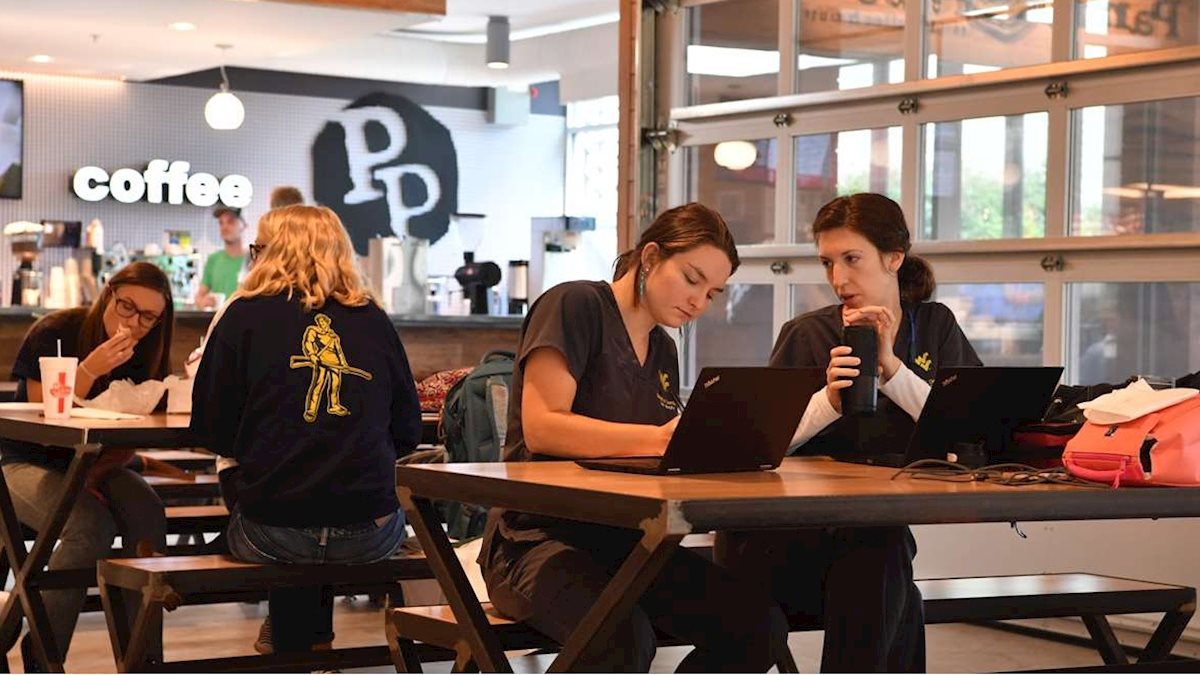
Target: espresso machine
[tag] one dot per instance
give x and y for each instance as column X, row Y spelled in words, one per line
column 25, row 238
column 474, row 277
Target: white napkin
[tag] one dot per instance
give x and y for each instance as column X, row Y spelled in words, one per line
column 1132, row 402
column 100, row 414
column 18, row 406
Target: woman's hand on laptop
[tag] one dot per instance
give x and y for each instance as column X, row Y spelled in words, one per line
column 842, row 367
column 665, row 431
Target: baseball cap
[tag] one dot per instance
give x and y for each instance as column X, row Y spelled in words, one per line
column 222, row 210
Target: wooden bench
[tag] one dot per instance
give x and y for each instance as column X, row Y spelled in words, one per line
column 204, row 486
column 172, row 581
column 188, row 460
column 1089, row 596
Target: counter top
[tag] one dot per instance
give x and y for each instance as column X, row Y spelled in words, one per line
column 400, row 320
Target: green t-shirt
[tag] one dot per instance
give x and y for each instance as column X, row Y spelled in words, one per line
column 221, row 273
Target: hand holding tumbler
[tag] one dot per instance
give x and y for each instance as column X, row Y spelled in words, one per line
column 859, row 397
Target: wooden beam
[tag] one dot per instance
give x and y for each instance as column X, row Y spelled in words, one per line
column 437, row 7
column 629, row 90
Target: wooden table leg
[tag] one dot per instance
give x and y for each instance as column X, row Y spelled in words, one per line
column 485, row 646
column 644, row 563
column 26, row 597
column 1169, row 630
column 1105, row 640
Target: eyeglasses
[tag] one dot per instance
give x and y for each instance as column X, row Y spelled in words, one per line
column 256, row 250
column 127, row 309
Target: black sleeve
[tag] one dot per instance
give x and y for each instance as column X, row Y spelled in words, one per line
column 406, row 407
column 956, row 349
column 219, row 389
column 42, row 340
column 566, row 319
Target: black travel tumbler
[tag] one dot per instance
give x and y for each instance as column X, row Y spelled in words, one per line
column 859, row 398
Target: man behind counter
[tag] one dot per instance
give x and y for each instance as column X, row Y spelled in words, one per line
column 222, row 269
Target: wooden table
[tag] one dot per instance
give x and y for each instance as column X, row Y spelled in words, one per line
column 88, row 438
column 803, row 492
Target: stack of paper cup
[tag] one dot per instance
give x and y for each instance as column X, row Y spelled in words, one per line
column 56, row 295
column 58, row 385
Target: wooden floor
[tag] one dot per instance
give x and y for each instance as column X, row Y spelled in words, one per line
column 206, row 631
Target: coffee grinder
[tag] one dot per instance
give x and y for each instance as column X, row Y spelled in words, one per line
column 474, row 277
column 25, row 238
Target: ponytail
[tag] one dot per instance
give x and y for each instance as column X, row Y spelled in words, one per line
column 916, row 279
column 625, row 263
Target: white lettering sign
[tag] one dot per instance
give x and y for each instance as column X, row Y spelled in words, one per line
column 162, row 181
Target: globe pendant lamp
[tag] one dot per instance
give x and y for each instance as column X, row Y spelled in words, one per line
column 224, row 111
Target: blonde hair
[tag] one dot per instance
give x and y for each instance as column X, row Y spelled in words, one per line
column 306, row 252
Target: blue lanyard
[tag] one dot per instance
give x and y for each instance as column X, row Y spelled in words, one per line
column 912, row 337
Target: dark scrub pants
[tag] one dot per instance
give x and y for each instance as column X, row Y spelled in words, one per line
column 857, row 583
column 552, row 584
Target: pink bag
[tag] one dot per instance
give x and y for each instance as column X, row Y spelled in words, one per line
column 1113, row 453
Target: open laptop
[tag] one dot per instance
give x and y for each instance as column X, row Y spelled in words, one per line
column 737, row 419
column 974, row 405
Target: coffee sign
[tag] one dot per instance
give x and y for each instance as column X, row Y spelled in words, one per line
column 162, row 181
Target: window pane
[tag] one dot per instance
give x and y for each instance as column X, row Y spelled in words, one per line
column 807, row 297
column 737, row 178
column 1110, row 27
column 828, row 165
column 1137, row 168
column 985, row 178
column 1116, row 330
column 1002, row 321
column 860, row 45
column 732, row 51
column 737, row 329
column 982, row 35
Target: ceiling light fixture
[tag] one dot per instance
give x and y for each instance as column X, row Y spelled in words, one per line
column 497, row 42
column 41, row 58
column 224, row 111
column 735, row 155
column 182, row 26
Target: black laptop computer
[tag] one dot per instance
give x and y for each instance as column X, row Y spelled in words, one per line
column 737, row 419
column 975, row 406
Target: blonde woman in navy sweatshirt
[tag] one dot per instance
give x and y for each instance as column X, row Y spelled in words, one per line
column 305, row 383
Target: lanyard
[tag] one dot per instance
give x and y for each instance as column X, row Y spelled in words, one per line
column 912, row 336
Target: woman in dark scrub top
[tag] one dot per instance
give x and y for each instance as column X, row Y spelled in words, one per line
column 858, row 582
column 597, row 376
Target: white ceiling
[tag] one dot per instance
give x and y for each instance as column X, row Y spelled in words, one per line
column 130, row 38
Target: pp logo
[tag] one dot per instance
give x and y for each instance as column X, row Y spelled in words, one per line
column 387, row 168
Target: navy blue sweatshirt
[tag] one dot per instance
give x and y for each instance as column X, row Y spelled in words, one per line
column 316, row 406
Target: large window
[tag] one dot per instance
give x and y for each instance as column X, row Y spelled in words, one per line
column 738, row 179
column 985, row 178
column 732, row 51
column 1051, row 179
column 974, row 37
column 1137, row 168
column 828, row 165
column 1111, row 27
column 1124, row 329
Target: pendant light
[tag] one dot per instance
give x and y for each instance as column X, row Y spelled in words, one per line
column 224, row 111
column 497, row 42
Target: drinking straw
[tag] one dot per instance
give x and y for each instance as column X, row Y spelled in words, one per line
column 59, row 347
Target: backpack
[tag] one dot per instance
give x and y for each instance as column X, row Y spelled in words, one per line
column 473, row 426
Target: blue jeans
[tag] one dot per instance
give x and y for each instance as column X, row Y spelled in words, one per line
column 303, row 617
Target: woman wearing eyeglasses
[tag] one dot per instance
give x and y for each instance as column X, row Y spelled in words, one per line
column 125, row 334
